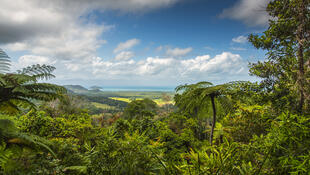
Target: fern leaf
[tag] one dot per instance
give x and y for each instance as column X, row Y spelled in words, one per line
column 4, row 62
column 38, row 71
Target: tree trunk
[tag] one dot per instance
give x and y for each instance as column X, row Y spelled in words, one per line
column 301, row 73
column 300, row 55
column 214, row 119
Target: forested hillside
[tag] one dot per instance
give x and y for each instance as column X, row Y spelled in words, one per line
column 238, row 127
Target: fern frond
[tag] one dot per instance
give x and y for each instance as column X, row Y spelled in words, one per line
column 34, row 142
column 78, row 169
column 38, row 71
column 4, row 62
column 2, row 80
column 187, row 87
column 5, row 154
column 9, row 108
column 44, row 87
column 226, row 103
column 10, row 134
column 19, row 89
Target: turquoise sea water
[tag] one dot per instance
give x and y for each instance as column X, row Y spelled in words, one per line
column 133, row 88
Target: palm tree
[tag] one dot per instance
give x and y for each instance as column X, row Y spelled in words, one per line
column 19, row 90
column 195, row 96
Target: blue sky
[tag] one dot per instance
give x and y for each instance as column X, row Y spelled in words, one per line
column 134, row 42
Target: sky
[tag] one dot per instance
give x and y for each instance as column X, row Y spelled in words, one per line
column 134, row 42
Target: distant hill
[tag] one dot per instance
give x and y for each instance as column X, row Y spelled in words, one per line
column 95, row 88
column 94, row 95
column 76, row 88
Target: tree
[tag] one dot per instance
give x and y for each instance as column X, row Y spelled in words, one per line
column 195, row 96
column 286, row 73
column 138, row 109
column 19, row 90
column 165, row 97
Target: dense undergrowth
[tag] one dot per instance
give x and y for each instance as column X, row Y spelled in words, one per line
column 233, row 128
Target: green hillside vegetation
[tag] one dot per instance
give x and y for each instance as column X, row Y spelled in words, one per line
column 76, row 88
column 159, row 102
column 102, row 106
column 234, row 128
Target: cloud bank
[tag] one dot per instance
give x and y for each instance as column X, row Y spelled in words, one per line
column 240, row 39
column 61, row 33
column 126, row 45
column 218, row 68
column 250, row 12
column 177, row 52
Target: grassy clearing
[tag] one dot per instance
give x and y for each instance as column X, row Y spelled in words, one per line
column 159, row 102
column 103, row 106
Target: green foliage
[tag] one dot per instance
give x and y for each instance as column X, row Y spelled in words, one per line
column 19, row 147
column 131, row 155
column 67, row 105
column 285, row 149
column 212, row 160
column 5, row 156
column 68, row 126
column 138, row 109
column 261, row 128
column 195, row 97
column 18, row 90
column 286, row 71
column 105, row 100
column 247, row 121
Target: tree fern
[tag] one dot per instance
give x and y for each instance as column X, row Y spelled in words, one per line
column 18, row 90
column 195, row 96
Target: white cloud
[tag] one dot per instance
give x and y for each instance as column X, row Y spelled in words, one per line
column 55, row 32
column 124, row 56
column 48, row 29
column 238, row 48
column 151, row 70
column 126, row 45
column 225, row 63
column 58, row 28
column 201, row 67
column 177, row 52
column 28, row 60
column 154, row 66
column 208, row 48
column 16, row 46
column 240, row 39
column 251, row 12
column 159, row 48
